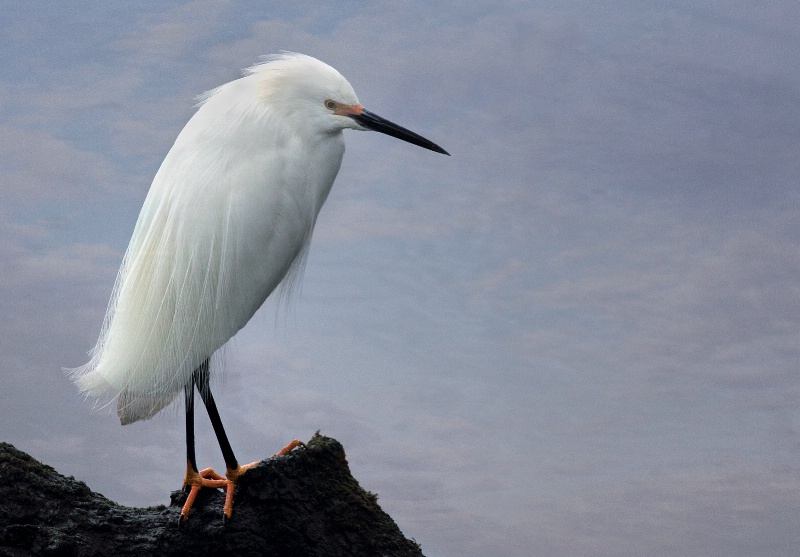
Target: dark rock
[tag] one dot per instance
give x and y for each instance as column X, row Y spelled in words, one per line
column 303, row 504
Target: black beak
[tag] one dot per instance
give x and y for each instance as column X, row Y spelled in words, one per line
column 376, row 123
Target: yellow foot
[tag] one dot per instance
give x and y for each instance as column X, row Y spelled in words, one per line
column 209, row 478
column 290, row 447
column 197, row 480
column 234, row 475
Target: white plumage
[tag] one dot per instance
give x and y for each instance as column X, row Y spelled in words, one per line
column 229, row 213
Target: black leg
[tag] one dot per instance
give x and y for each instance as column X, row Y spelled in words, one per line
column 188, row 391
column 201, row 378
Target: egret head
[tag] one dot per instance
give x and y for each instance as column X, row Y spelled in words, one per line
column 308, row 87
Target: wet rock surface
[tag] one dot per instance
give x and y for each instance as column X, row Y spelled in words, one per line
column 305, row 503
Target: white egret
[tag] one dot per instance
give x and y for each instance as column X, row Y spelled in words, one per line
column 229, row 215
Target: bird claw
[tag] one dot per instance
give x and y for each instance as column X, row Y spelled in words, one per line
column 196, row 481
column 289, row 448
column 209, row 478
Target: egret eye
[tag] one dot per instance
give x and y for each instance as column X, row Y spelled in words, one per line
column 330, row 105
